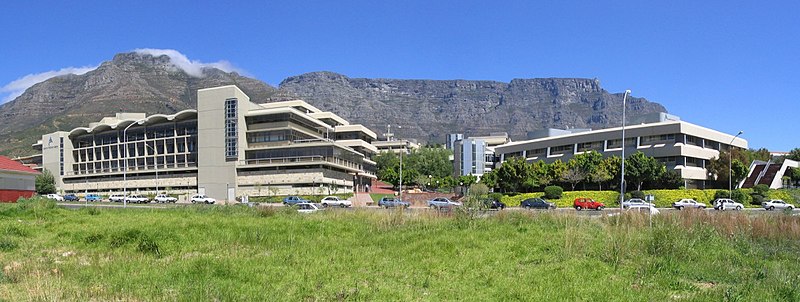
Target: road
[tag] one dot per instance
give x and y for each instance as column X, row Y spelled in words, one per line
column 590, row 213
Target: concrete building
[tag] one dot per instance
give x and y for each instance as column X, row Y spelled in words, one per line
column 16, row 180
column 476, row 155
column 682, row 146
column 396, row 146
column 451, row 139
column 227, row 148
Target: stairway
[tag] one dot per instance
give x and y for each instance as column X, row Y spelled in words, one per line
column 754, row 176
column 769, row 175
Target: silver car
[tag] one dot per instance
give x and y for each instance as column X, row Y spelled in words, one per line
column 688, row 203
column 777, row 204
column 727, row 204
column 636, row 202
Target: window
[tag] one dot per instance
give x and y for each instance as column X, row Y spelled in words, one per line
column 231, row 135
column 616, row 143
column 583, row 147
column 561, row 149
column 646, row 140
column 536, row 152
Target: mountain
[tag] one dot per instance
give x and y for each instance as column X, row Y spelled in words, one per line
column 430, row 109
column 426, row 109
column 131, row 82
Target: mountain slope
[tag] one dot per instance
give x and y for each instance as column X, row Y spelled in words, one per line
column 429, row 109
column 426, row 109
column 131, row 82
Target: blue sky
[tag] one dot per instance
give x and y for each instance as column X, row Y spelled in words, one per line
column 725, row 65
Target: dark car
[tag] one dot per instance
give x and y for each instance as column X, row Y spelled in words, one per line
column 494, row 204
column 71, row 197
column 536, row 203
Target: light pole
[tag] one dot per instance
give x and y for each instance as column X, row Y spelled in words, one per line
column 622, row 178
column 125, row 172
column 730, row 165
column 155, row 162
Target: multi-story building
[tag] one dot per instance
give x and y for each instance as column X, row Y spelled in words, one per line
column 228, row 147
column 682, row 146
column 475, row 155
column 396, row 146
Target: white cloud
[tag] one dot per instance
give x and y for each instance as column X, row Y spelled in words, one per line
column 192, row 68
column 17, row 87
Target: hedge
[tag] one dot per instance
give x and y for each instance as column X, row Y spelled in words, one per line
column 663, row 198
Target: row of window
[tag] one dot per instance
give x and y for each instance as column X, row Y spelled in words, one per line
column 148, row 148
column 137, row 133
column 157, row 162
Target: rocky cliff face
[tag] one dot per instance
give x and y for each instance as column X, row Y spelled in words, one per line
column 426, row 109
column 131, row 82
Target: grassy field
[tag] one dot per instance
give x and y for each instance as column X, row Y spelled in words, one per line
column 274, row 254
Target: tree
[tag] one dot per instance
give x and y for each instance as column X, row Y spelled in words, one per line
column 512, row 174
column 640, row 168
column 671, row 179
column 794, row 154
column 573, row 175
column 489, row 179
column 45, row 183
column 433, row 161
column 612, row 164
column 587, row 163
column 600, row 175
column 557, row 169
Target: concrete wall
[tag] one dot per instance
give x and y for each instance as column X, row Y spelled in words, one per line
column 51, row 155
column 216, row 173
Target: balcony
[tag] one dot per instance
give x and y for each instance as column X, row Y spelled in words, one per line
column 303, row 160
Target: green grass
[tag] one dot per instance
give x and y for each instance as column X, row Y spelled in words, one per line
column 275, row 254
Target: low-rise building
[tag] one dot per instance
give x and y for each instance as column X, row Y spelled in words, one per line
column 16, row 180
column 682, row 146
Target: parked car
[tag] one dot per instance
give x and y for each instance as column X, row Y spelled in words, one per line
column 55, row 197
column 390, row 202
column 164, row 198
column 496, row 204
column 306, row 207
column 773, row 204
column 93, row 197
column 635, row 201
column 442, row 202
column 643, row 208
column 581, row 203
column 116, row 197
column 727, row 204
column 688, row 203
column 333, row 201
column 137, row 199
column 292, row 200
column 537, row 203
column 71, row 197
column 202, row 198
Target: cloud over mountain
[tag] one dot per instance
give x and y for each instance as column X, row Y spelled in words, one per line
column 17, row 87
column 191, row 67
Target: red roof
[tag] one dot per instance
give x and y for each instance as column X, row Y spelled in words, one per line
column 7, row 164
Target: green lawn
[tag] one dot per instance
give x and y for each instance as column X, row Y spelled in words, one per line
column 274, row 254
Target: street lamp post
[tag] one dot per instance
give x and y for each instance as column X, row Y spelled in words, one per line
column 125, row 172
column 622, row 178
column 730, row 165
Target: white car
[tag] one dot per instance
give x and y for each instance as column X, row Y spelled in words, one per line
column 307, row 207
column 116, row 197
column 333, row 201
column 137, row 199
column 201, row 198
column 727, row 204
column 164, row 198
column 777, row 204
column 643, row 209
column 688, row 203
column 55, row 197
column 636, row 202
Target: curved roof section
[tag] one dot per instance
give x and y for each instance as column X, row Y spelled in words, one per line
column 121, row 124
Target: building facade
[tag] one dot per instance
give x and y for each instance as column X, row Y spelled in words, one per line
column 228, row 147
column 16, row 180
column 682, row 146
column 475, row 155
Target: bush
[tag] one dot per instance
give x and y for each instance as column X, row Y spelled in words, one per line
column 553, row 192
column 741, row 196
column 722, row 194
column 637, row 194
column 756, row 199
column 496, row 196
column 761, row 189
column 607, row 197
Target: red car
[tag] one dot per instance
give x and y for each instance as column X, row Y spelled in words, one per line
column 587, row 203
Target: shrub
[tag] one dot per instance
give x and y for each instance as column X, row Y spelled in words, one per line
column 761, row 189
column 637, row 194
column 722, row 194
column 741, row 196
column 553, row 192
column 496, row 196
column 607, row 197
column 756, row 199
